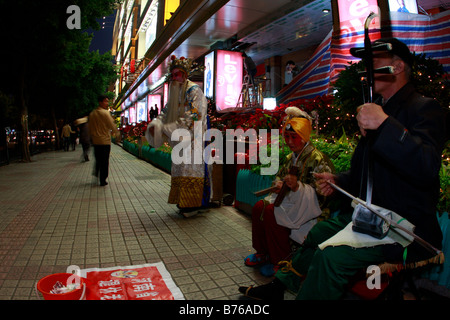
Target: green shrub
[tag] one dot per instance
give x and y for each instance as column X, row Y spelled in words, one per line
column 444, row 175
column 340, row 152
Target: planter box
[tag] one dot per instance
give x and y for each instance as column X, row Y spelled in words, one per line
column 158, row 158
column 248, row 182
column 131, row 148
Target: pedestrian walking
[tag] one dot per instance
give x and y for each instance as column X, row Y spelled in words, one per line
column 65, row 135
column 101, row 125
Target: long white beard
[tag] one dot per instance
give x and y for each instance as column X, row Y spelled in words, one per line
column 175, row 104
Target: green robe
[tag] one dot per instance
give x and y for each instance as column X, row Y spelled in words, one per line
column 311, row 161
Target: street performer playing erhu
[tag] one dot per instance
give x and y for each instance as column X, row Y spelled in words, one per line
column 407, row 136
column 273, row 224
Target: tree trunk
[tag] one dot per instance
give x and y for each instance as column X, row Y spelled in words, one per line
column 24, row 117
column 55, row 125
column 25, row 141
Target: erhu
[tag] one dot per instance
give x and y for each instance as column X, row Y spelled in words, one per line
column 293, row 170
column 364, row 220
column 284, row 188
column 367, row 219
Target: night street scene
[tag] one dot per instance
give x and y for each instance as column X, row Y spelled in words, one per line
column 235, row 157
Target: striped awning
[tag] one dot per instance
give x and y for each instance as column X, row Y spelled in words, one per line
column 423, row 34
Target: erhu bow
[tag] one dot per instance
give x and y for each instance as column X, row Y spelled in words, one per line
column 387, row 220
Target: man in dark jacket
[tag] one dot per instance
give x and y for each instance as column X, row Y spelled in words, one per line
column 405, row 134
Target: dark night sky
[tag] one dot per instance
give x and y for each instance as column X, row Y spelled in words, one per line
column 102, row 40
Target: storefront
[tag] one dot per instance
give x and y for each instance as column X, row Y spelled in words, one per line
column 317, row 36
column 271, row 33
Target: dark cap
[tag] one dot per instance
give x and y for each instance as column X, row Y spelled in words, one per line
column 392, row 45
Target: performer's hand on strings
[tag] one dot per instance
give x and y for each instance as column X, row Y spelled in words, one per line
column 322, row 185
column 291, row 182
column 370, row 117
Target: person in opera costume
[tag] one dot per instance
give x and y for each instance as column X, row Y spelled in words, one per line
column 186, row 107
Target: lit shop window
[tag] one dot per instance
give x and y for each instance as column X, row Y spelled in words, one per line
column 170, row 8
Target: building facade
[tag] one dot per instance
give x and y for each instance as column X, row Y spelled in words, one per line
column 315, row 35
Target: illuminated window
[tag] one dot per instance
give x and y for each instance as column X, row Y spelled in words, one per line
column 170, row 7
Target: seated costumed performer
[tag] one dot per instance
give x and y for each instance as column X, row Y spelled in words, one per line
column 397, row 160
column 186, row 109
column 273, row 227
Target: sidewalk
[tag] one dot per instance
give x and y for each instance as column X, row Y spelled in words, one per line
column 53, row 215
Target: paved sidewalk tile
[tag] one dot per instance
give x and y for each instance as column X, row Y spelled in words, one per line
column 53, row 215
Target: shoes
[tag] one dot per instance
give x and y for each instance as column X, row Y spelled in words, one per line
column 270, row 291
column 260, row 260
column 268, row 270
column 255, row 260
column 102, row 184
column 191, row 211
column 188, row 214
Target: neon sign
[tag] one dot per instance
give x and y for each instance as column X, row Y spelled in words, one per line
column 229, row 79
column 132, row 114
column 353, row 13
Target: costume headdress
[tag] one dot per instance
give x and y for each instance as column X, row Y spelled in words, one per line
column 298, row 121
column 182, row 63
column 185, row 64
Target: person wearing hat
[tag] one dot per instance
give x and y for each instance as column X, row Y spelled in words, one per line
column 406, row 139
column 186, row 108
column 274, row 227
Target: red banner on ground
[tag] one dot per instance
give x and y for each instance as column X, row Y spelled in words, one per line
column 140, row 282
